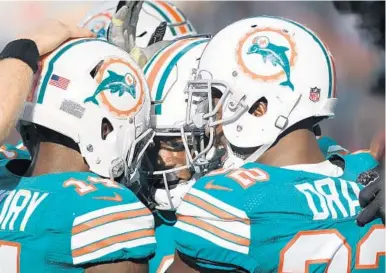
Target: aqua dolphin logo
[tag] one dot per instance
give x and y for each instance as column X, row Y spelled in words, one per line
column 274, row 54
column 115, row 84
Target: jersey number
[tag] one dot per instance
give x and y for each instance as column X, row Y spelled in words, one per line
column 9, row 257
column 307, row 248
column 244, row 177
column 82, row 187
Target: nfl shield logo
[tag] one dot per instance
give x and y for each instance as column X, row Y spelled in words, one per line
column 314, row 94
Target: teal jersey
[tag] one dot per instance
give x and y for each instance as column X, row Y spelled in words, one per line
column 329, row 146
column 260, row 218
column 68, row 221
column 8, row 152
column 165, row 220
column 164, row 226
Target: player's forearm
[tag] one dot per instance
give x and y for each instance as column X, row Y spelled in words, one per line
column 15, row 83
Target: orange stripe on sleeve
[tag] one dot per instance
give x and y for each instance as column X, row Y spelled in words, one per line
column 111, row 241
column 213, row 210
column 109, row 218
column 215, row 230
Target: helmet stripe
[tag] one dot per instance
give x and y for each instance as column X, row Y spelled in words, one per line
column 166, row 18
column 52, row 61
column 168, row 70
column 334, row 70
column 161, row 61
column 170, row 15
column 175, row 15
column 104, row 14
column 190, row 27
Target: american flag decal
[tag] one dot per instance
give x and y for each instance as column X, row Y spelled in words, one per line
column 59, row 82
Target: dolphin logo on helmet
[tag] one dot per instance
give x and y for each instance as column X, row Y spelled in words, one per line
column 115, row 84
column 273, row 53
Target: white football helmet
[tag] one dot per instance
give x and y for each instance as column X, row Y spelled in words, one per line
column 268, row 59
column 167, row 73
column 86, row 82
column 150, row 17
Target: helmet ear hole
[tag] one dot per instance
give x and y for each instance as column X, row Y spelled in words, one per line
column 259, row 108
column 106, row 128
column 95, row 70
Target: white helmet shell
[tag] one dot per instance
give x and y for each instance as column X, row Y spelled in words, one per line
column 167, row 74
column 83, row 83
column 274, row 59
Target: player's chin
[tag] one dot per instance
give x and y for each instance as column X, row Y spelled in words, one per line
column 184, row 175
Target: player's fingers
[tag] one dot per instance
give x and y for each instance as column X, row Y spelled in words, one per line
column 381, row 214
column 120, row 16
column 136, row 10
column 368, row 193
column 377, row 146
column 369, row 213
column 78, row 32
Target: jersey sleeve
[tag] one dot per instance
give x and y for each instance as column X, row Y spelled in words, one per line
column 213, row 228
column 329, row 147
column 114, row 226
column 357, row 163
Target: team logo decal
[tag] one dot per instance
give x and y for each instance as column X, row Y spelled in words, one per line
column 99, row 24
column 118, row 82
column 314, row 94
column 267, row 54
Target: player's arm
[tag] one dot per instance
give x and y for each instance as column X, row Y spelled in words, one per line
column 15, row 83
column 120, row 267
column 19, row 61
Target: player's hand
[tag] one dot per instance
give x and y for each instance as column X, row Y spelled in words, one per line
column 372, row 200
column 52, row 34
column 123, row 27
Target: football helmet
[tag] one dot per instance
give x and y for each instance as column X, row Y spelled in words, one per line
column 167, row 73
column 150, row 17
column 74, row 98
column 265, row 59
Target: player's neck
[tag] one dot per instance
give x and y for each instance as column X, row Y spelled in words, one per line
column 298, row 147
column 55, row 158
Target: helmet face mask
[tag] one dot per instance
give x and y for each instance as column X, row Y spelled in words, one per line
column 179, row 147
column 107, row 87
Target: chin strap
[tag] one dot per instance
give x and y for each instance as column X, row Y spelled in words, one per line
column 281, row 123
column 34, row 157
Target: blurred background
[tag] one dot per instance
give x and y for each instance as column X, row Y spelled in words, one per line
column 354, row 32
